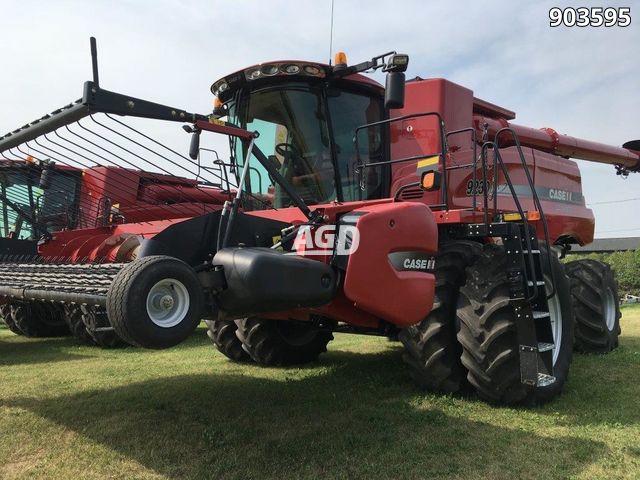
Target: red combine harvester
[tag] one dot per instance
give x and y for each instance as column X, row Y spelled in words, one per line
column 413, row 210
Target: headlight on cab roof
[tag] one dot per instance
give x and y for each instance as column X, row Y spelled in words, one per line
column 289, row 68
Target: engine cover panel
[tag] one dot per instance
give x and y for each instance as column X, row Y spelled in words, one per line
column 390, row 274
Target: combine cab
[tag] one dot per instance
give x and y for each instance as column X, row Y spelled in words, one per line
column 414, row 210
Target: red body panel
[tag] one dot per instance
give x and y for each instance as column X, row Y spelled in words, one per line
column 91, row 244
column 373, row 289
column 557, row 179
column 145, row 203
column 372, row 283
column 143, row 196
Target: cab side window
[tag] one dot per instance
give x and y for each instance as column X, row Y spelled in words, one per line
column 348, row 112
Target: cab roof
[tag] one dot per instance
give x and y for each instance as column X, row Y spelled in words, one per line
column 291, row 69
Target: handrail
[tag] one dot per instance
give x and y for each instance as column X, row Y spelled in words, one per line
column 536, row 199
column 360, row 166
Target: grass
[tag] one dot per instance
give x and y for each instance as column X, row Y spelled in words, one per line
column 76, row 412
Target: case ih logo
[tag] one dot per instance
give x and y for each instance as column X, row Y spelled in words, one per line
column 325, row 240
column 413, row 261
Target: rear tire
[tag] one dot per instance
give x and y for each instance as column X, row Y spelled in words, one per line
column 281, row 342
column 223, row 334
column 432, row 350
column 488, row 331
column 155, row 302
column 596, row 306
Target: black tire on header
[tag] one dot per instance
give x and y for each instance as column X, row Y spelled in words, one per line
column 5, row 313
column 73, row 317
column 133, row 295
column 36, row 319
column 100, row 329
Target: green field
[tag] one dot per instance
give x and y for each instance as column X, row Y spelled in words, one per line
column 77, row 412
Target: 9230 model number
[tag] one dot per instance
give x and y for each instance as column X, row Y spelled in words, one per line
column 590, row 17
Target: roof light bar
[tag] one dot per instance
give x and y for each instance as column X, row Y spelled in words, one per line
column 268, row 70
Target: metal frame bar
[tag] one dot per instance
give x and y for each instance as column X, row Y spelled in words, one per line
column 95, row 99
column 88, row 153
column 442, row 153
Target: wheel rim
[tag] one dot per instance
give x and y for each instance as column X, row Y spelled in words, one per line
column 168, row 303
column 609, row 309
column 555, row 314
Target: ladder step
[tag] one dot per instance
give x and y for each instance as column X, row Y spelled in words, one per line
column 539, row 283
column 104, row 329
column 545, row 380
column 539, row 314
column 545, row 347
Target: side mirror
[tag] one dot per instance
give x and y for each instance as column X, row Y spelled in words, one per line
column 194, row 146
column 394, row 90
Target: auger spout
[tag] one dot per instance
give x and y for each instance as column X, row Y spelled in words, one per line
column 550, row 141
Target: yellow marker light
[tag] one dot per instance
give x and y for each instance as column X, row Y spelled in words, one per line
column 427, row 162
column 514, row 217
column 511, row 217
column 217, row 103
column 340, row 58
column 431, row 181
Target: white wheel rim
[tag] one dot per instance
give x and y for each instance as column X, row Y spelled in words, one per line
column 555, row 315
column 609, row 309
column 168, row 303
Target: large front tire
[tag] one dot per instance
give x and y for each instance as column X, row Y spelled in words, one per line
column 223, row 334
column 432, row 351
column 155, row 302
column 488, row 330
column 281, row 342
column 595, row 304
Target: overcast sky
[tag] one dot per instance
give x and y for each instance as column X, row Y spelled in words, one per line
column 581, row 81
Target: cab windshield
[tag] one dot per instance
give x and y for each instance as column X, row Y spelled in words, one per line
column 308, row 133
